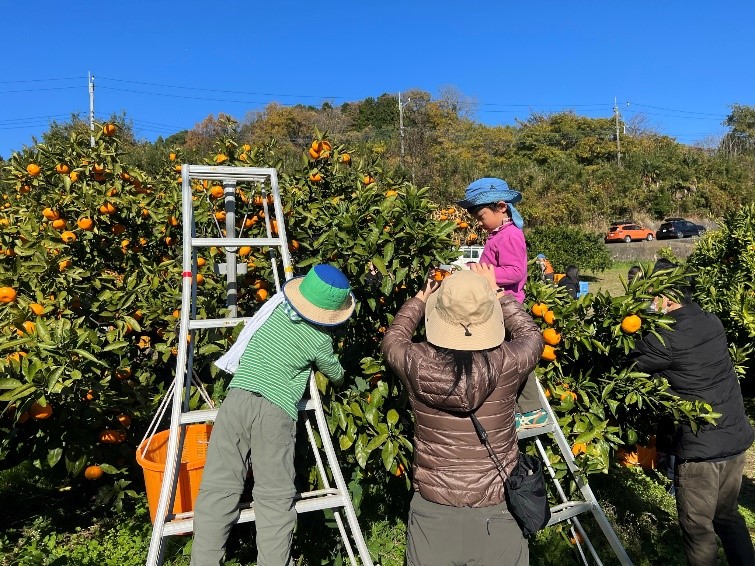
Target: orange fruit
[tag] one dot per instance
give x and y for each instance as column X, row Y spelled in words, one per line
column 216, row 191
column 33, row 169
column 316, row 145
column 59, row 224
column 123, row 373
column 315, row 177
column 7, row 294
column 65, row 264
column 29, row 327
column 201, row 261
column 368, row 179
column 261, row 295
column 293, row 246
column 220, row 215
column 173, row 221
column 631, row 324
column 89, row 396
column 566, row 394
column 68, row 236
column 391, row 193
column 244, row 251
column 85, row 223
column 549, row 354
column 539, row 309
column 93, row 473
column 124, row 419
column 551, row 336
column 313, row 153
column 399, row 470
column 50, row 214
column 62, row 168
column 110, row 436
column 463, row 225
column 579, row 448
column 220, row 158
column 109, row 129
column 74, row 176
column 40, row 413
column 37, row 309
column 472, row 237
column 172, row 156
column 549, row 317
column 107, row 208
column 345, row 158
column 200, row 279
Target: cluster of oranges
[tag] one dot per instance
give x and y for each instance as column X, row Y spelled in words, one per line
column 465, row 233
column 551, row 336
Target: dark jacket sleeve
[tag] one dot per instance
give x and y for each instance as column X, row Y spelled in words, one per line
column 651, row 355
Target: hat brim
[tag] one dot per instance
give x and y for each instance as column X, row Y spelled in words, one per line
column 487, row 191
column 312, row 313
column 444, row 334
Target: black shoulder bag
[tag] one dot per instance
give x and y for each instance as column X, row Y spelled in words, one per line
column 526, row 496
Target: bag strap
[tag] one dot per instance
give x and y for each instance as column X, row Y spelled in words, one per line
column 482, row 434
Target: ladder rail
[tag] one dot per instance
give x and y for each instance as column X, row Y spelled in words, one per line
column 604, row 524
column 166, row 523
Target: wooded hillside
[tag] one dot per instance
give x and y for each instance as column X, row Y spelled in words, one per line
column 565, row 164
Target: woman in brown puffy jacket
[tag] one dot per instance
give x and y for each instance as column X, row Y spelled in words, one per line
column 458, row 514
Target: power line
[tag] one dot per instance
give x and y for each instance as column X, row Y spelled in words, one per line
column 223, row 91
column 40, row 80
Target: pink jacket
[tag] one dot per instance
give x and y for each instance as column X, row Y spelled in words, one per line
column 507, row 252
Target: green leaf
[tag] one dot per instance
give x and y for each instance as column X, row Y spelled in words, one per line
column 379, row 265
column 9, row 383
column 89, row 356
column 392, row 417
column 53, row 456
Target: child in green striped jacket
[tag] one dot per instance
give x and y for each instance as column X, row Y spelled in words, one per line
column 256, row 424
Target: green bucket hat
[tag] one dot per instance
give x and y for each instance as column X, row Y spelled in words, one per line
column 323, row 296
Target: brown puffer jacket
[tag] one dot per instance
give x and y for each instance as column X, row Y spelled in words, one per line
column 451, row 466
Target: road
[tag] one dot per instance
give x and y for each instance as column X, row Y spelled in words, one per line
column 647, row 251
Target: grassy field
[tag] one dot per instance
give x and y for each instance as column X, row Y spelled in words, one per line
column 610, row 280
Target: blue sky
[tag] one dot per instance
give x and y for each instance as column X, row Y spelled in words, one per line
column 168, row 65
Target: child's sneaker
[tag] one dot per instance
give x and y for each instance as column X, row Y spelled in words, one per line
column 532, row 419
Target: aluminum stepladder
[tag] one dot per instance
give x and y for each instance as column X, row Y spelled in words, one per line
column 166, row 523
column 568, row 510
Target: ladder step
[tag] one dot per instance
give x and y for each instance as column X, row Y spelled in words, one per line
column 308, row 501
column 205, row 415
column 569, row 509
column 216, row 322
column 237, row 242
column 546, row 428
column 222, row 173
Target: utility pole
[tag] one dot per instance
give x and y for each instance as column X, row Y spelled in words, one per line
column 618, row 143
column 91, row 109
column 401, row 125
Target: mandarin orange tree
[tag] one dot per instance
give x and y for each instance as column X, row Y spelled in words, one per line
column 89, row 255
column 91, row 289
column 601, row 402
column 724, row 262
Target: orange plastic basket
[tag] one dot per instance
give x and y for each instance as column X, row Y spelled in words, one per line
column 193, row 458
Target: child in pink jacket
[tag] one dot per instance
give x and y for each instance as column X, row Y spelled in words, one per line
column 491, row 202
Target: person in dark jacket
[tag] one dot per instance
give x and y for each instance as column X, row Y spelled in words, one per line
column 458, row 514
column 694, row 358
column 571, row 281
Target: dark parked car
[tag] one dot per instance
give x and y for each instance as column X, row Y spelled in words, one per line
column 678, row 228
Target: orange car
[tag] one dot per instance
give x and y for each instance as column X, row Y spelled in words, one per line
column 628, row 232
